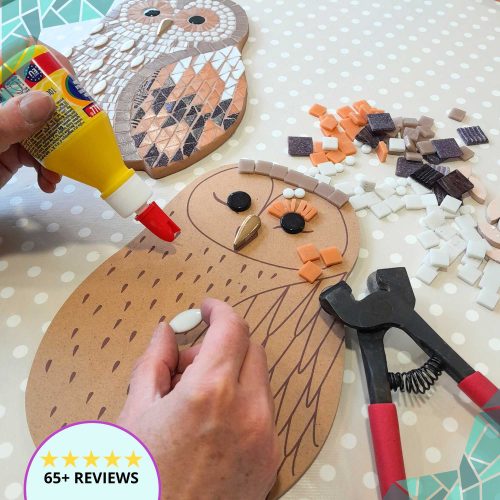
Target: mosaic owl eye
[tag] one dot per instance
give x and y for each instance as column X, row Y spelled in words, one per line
column 206, row 20
column 147, row 12
column 152, row 12
column 293, row 214
column 197, row 20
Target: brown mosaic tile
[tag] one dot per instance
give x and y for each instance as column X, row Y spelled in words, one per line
column 263, row 167
column 278, row 171
column 324, row 190
column 246, row 166
column 456, row 114
column 338, row 198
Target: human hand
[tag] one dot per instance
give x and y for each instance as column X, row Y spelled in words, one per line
column 20, row 118
column 206, row 413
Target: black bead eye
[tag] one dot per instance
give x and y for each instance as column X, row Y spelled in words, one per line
column 239, row 201
column 152, row 12
column 292, row 223
column 197, row 19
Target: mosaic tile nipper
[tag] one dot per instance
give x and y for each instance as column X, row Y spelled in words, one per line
column 390, row 303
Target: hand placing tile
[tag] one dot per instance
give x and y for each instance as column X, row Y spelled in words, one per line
column 186, row 320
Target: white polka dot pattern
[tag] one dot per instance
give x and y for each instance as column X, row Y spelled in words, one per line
column 13, row 491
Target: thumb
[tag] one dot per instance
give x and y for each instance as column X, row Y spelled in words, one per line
column 152, row 376
column 22, row 116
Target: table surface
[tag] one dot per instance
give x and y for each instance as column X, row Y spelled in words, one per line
column 411, row 58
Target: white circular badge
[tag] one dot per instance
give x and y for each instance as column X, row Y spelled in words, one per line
column 94, row 460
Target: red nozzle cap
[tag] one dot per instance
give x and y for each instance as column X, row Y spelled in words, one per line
column 158, row 222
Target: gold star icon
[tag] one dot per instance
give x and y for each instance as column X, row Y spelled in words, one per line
column 91, row 459
column 112, row 459
column 49, row 460
column 70, row 459
column 133, row 459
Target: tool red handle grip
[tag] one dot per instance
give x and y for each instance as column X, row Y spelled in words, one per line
column 480, row 390
column 386, row 444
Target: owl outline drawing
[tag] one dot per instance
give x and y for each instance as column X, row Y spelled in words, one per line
column 106, row 324
column 170, row 75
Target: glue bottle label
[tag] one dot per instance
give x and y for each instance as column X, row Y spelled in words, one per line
column 36, row 69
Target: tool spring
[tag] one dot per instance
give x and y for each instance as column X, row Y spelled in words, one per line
column 419, row 380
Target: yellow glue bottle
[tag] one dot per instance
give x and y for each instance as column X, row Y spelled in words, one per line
column 78, row 141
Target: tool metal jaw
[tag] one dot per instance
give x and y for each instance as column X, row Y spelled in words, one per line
column 391, row 303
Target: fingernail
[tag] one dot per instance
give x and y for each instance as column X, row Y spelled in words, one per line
column 157, row 331
column 36, row 107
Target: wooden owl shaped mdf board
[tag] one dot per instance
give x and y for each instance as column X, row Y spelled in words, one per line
column 170, row 75
column 107, row 323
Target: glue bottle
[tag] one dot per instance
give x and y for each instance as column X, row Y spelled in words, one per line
column 78, row 141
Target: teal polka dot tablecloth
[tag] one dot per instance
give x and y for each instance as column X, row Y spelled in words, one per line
column 408, row 58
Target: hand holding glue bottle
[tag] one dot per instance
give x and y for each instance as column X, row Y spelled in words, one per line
column 78, row 141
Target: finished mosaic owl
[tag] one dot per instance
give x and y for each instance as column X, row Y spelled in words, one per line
column 170, row 75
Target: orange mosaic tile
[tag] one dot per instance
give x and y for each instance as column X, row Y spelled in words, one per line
column 307, row 210
column 357, row 105
column 328, row 122
column 302, row 205
column 339, row 135
column 346, row 146
column 286, row 204
column 317, row 158
column 350, row 128
column 317, row 110
column 344, row 111
column 276, row 209
column 363, row 112
column 317, row 147
column 358, row 119
column 382, row 151
column 310, row 213
column 328, row 133
column 331, row 256
column 308, row 252
column 336, row 156
column 310, row 272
